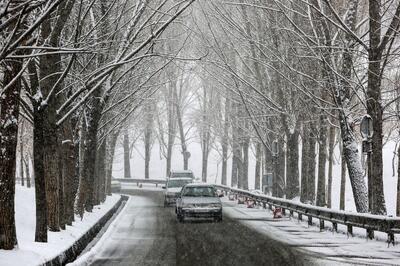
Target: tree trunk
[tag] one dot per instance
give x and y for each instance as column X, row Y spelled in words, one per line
column 292, row 165
column 181, row 130
column 110, row 158
column 245, row 167
column 9, row 114
column 321, row 189
column 38, row 154
column 281, row 167
column 374, row 107
column 398, row 182
column 204, row 159
column 101, row 173
column 304, row 164
column 90, row 152
column 171, row 126
column 61, row 186
column 69, row 173
column 311, row 165
column 147, row 146
column 258, row 166
column 225, row 142
column 330, row 165
column 28, row 173
column 21, row 160
column 80, row 204
column 127, row 164
column 343, row 182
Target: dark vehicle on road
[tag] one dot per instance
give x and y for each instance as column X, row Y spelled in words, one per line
column 173, row 189
column 199, row 201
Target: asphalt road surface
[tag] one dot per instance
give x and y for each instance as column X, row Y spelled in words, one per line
column 149, row 234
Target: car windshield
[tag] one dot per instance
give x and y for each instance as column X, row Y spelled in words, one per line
column 188, row 175
column 199, row 192
column 177, row 183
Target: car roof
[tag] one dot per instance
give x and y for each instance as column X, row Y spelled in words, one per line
column 182, row 171
column 181, row 178
column 199, row 185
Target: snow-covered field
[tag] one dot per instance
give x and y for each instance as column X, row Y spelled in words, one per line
column 327, row 244
column 29, row 252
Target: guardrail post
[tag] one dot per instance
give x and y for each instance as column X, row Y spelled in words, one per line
column 350, row 229
column 291, row 213
column 156, row 184
column 390, row 238
column 270, row 206
column 334, row 225
column 309, row 220
column 321, row 225
column 300, row 216
column 283, row 211
column 370, row 233
column 137, row 184
column 264, row 205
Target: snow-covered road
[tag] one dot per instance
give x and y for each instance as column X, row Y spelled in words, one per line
column 146, row 233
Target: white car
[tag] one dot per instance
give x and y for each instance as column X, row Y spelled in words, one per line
column 173, row 189
column 199, row 201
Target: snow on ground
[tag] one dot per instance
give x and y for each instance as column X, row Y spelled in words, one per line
column 29, row 252
column 133, row 186
column 328, row 244
column 87, row 257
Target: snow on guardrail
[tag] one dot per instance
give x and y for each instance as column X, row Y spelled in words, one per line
column 370, row 222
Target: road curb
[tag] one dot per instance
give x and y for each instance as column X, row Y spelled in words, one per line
column 70, row 254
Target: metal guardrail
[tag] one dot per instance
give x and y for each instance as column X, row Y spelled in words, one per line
column 371, row 223
column 141, row 181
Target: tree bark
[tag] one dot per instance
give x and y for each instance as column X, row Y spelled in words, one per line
column 311, row 165
column 89, row 157
column 127, row 164
column 398, row 183
column 38, row 154
column 28, row 173
column 69, row 173
column 9, row 114
column 245, row 167
column 331, row 147
column 181, row 130
column 258, row 166
column 101, row 172
column 110, row 158
column 171, row 128
column 321, row 189
column 343, row 182
column 374, row 108
column 292, row 165
column 21, row 158
column 147, row 140
column 225, row 141
column 304, row 165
